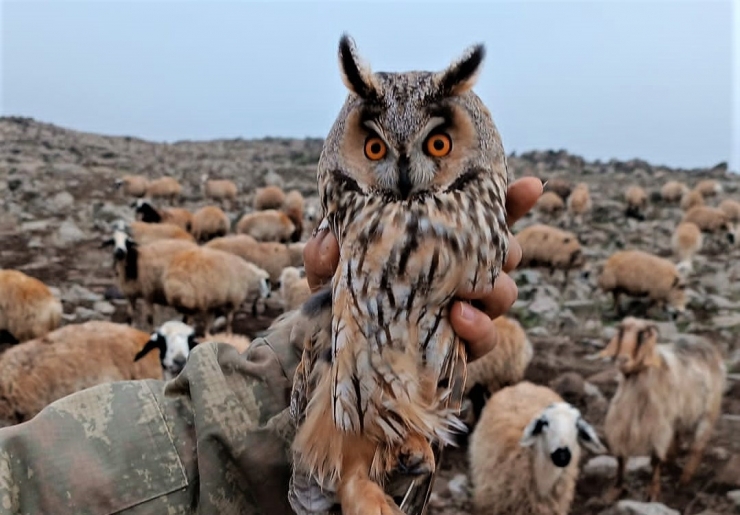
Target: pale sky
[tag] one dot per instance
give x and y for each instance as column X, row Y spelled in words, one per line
column 603, row 79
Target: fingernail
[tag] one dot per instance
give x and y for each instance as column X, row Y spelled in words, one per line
column 467, row 312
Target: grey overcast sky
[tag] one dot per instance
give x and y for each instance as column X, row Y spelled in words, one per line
column 604, row 79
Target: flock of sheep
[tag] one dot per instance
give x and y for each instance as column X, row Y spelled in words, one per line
column 526, row 441
column 525, row 447
column 163, row 256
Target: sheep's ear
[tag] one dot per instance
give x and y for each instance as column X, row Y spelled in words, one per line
column 532, row 431
column 107, row 243
column 356, row 74
column 192, row 342
column 462, row 74
column 588, row 438
column 151, row 345
column 612, row 348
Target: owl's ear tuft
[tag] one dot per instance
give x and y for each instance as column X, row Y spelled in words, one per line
column 462, row 74
column 356, row 74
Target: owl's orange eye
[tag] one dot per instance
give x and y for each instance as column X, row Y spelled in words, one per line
column 375, row 148
column 438, row 145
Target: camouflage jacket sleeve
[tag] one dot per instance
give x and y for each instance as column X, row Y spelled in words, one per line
column 213, row 440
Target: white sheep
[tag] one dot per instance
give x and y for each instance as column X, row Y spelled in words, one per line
column 686, row 242
column 639, row 274
column 167, row 188
column 731, row 208
column 207, row 281
column 133, row 185
column 664, row 391
column 294, row 289
column 35, row 373
column 293, row 207
column 267, row 225
column 269, row 197
column 711, row 220
column 174, row 340
column 673, row 191
column 271, row 256
column 637, row 202
column 549, row 247
column 140, row 269
column 145, row 233
column 28, row 309
column 524, row 453
column 219, row 189
column 579, row 202
column 708, row 188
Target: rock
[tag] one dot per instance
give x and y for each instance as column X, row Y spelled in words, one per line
column 726, row 321
column 84, row 315
column 77, row 294
column 729, row 474
column 734, row 496
column 106, row 308
column 628, row 507
column 36, row 226
column 61, row 201
column 69, row 233
column 606, row 466
column 458, row 486
column 543, row 305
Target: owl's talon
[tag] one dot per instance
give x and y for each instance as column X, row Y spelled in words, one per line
column 415, row 457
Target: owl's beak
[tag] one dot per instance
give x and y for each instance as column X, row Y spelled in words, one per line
column 404, row 178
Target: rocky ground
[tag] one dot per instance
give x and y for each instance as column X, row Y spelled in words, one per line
column 57, row 199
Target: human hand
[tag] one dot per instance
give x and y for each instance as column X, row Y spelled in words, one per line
column 475, row 326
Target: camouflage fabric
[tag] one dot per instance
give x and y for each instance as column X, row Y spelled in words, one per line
column 214, row 440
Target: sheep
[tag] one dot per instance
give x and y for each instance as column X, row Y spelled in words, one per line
column 133, row 185
column 294, row 289
column 638, row 273
column 205, row 281
column 686, row 242
column 691, row 199
column 673, row 191
column 550, row 247
column 210, row 222
column 267, row 225
column 550, row 203
column 312, row 215
column 293, row 207
column 708, row 188
column 165, row 188
column 579, row 202
column 36, row 373
column 147, row 213
column 524, row 453
column 637, row 202
column 240, row 342
column 139, row 269
column 144, row 233
column 28, row 309
column 503, row 366
column 665, row 392
column 731, row 208
column 269, row 197
column 174, row 340
column 711, row 220
column 271, row 256
column 219, row 189
column 560, row 186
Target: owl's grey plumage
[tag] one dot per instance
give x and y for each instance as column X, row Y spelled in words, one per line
column 412, row 181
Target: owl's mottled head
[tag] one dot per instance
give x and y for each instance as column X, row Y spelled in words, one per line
column 409, row 133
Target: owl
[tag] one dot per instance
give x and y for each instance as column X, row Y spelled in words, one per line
column 412, row 181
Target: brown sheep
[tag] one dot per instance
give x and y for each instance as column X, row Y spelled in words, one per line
column 293, row 207
column 140, row 269
column 524, row 453
column 207, row 281
column 579, row 202
column 294, row 289
column 503, row 366
column 220, row 189
column 673, row 191
column 731, row 208
column 560, row 186
column 144, row 233
column 665, row 392
column 550, row 247
column 74, row 357
column 686, row 243
column 267, row 225
column 269, row 197
column 28, row 309
column 708, row 188
column 550, row 203
column 638, row 273
column 210, row 222
column 691, row 200
column 147, row 213
column 637, row 202
column 133, row 185
column 166, row 188
column 270, row 256
column 711, row 220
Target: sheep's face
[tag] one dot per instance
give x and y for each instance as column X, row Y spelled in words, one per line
column 677, row 297
column 558, row 432
column 174, row 340
column 265, row 287
column 633, row 347
column 122, row 244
